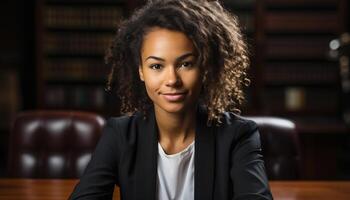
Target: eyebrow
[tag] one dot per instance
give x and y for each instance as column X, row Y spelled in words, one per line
column 177, row 59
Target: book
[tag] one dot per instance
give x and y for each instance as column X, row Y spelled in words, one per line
column 82, row 17
column 10, row 100
column 301, row 3
column 75, row 97
column 77, row 43
column 297, row 47
column 75, row 69
column 316, row 73
column 302, row 21
column 304, row 100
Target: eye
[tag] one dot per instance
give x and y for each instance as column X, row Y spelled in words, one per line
column 186, row 64
column 156, row 66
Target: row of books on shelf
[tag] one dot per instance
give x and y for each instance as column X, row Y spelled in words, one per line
column 300, row 3
column 302, row 21
column 91, row 17
column 75, row 69
column 98, row 2
column 75, row 96
column 315, row 73
column 77, row 43
column 301, row 47
column 291, row 99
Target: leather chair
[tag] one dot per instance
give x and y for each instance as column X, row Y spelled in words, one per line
column 52, row 144
column 58, row 144
column 281, row 147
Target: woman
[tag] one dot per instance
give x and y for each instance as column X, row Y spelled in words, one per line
column 179, row 67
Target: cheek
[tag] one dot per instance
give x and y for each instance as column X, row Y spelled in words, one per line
column 149, row 90
column 152, row 84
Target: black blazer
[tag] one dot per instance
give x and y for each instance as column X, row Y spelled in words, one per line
column 228, row 160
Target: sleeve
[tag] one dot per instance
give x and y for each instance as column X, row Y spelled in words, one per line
column 101, row 174
column 248, row 172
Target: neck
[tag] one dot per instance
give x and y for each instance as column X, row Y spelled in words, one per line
column 176, row 127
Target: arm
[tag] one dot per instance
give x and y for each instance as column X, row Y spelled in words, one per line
column 100, row 176
column 248, row 171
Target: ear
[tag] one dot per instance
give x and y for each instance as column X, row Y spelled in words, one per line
column 141, row 73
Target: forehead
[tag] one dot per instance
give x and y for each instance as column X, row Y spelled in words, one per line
column 164, row 42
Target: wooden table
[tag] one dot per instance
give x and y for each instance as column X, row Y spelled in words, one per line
column 30, row 189
column 310, row 190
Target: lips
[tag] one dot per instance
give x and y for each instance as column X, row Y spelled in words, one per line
column 172, row 97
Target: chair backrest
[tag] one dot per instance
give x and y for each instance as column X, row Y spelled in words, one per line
column 58, row 144
column 281, row 147
column 52, row 144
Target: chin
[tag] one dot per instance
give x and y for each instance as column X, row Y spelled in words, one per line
column 173, row 108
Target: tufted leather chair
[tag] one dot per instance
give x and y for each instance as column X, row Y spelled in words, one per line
column 52, row 144
column 58, row 144
column 281, row 148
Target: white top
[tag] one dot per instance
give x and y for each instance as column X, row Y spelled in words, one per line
column 176, row 174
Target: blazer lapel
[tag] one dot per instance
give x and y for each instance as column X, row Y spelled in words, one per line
column 146, row 159
column 204, row 157
column 147, row 153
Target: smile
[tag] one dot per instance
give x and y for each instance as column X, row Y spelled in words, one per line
column 174, row 97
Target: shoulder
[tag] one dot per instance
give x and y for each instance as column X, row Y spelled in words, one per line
column 119, row 122
column 122, row 122
column 123, row 127
column 236, row 125
column 233, row 120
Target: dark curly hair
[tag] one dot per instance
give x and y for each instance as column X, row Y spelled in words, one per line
column 219, row 44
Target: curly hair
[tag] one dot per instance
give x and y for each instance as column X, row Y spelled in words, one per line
column 219, row 44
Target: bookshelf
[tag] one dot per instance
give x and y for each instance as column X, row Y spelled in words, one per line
column 72, row 37
column 298, row 80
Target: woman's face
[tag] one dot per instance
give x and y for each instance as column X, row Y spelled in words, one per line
column 173, row 80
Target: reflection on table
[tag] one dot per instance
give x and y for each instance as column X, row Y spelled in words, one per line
column 60, row 189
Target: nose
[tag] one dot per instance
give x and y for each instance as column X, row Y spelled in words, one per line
column 172, row 77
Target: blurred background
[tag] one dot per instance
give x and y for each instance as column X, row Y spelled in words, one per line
column 51, row 57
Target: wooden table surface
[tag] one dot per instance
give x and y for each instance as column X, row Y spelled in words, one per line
column 51, row 189
column 310, row 190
